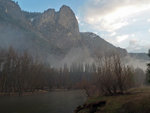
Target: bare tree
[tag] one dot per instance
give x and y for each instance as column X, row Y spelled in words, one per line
column 113, row 76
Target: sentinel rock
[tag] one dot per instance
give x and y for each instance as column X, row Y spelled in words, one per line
column 59, row 28
column 54, row 23
column 68, row 20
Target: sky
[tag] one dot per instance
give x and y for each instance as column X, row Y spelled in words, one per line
column 124, row 23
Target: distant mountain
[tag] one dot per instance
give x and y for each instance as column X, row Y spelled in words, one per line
column 52, row 36
column 137, row 60
column 140, row 56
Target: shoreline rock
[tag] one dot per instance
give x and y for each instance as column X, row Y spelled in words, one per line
column 92, row 107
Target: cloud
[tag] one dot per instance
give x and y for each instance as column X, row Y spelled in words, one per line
column 78, row 19
column 124, row 23
column 81, row 23
column 131, row 42
column 113, row 34
column 118, row 39
column 111, row 15
column 122, row 38
column 137, row 45
column 148, row 20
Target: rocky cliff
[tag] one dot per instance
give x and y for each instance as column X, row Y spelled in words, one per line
column 54, row 36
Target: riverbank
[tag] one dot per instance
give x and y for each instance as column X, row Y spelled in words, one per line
column 36, row 92
column 137, row 101
column 24, row 93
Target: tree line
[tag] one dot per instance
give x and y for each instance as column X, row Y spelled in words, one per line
column 20, row 73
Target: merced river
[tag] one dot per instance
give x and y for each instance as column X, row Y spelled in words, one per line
column 51, row 102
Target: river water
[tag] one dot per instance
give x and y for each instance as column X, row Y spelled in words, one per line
column 52, row 102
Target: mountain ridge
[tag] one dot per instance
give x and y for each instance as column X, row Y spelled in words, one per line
column 52, row 35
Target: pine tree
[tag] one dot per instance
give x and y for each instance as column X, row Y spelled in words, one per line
column 148, row 70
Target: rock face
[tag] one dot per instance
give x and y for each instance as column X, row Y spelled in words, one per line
column 67, row 20
column 51, row 35
column 59, row 28
column 10, row 9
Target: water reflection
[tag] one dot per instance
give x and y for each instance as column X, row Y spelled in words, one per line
column 52, row 102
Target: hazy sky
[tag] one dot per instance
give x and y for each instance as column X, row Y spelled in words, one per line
column 124, row 23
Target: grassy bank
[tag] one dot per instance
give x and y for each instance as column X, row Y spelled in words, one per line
column 137, row 101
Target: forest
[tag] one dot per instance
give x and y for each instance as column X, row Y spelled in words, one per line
column 20, row 73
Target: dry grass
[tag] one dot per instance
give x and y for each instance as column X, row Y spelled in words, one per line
column 137, row 101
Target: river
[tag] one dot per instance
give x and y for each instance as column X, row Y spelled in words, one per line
column 52, row 102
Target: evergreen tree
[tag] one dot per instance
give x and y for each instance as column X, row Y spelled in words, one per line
column 148, row 70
